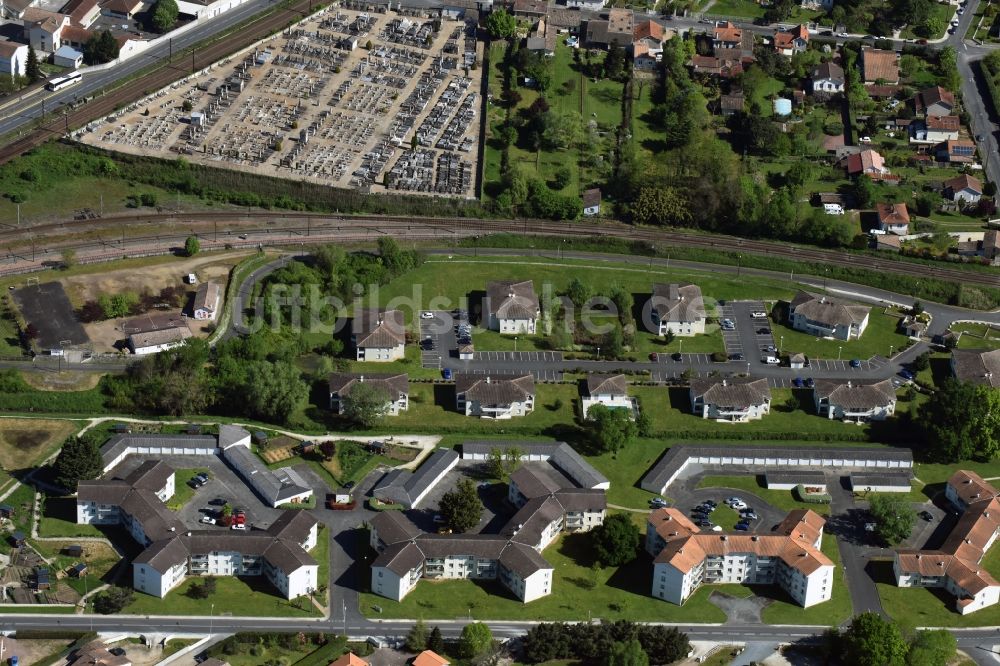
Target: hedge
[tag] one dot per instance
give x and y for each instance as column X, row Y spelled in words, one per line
column 811, row 498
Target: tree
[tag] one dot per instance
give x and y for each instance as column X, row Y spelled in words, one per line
column 365, row 404
column 462, row 509
column 663, row 645
column 503, row 462
column 501, row 25
column 475, row 640
column 922, row 362
column 560, row 129
column 102, row 47
column 273, row 391
column 68, row 258
column 31, row 68
column 616, row 540
column 872, row 641
column 328, row 449
column 165, row 15
column 627, row 653
column 962, row 422
column 113, row 600
column 435, row 642
column 416, row 638
column 661, row 205
column 864, row 191
column 191, row 246
column 893, row 517
column 932, row 647
column 578, row 292
column 612, row 429
column 614, row 62
column 79, row 458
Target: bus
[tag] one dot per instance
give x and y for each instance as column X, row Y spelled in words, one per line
column 61, row 82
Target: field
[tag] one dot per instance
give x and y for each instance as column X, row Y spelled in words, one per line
column 977, row 336
column 252, row 596
column 99, row 557
column 881, row 334
column 24, row 443
column 781, row 499
column 59, row 520
column 838, row 609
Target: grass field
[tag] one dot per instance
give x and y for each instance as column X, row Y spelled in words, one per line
column 59, row 520
column 183, row 493
column 625, row 468
column 99, row 557
column 881, row 333
column 24, row 443
column 781, row 499
column 252, row 596
column 785, row 611
column 977, row 336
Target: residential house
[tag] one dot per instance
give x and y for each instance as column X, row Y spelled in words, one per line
column 512, row 306
column 378, row 335
column 76, row 37
column 685, row 558
column 736, row 400
column 43, row 29
column 647, row 40
column 151, row 342
column 828, row 78
column 726, row 35
column 495, row 397
column 887, row 242
column 542, row 39
column 678, row 308
column 13, row 10
column 95, row 653
column 854, row 401
column 616, row 30
column 349, row 659
column 827, row 317
column 976, row 366
column 13, row 58
column 913, row 327
column 988, row 248
column 592, row 202
column 956, row 565
column 121, row 9
column 532, row 9
column 608, row 390
column 937, row 129
column 893, row 218
column 588, row 5
column 879, row 66
column 866, row 161
column 428, row 658
column 82, row 13
column 206, row 301
column 935, row 101
column 723, row 67
column 643, row 58
column 67, row 56
column 396, row 388
column 791, row 41
column 798, row 361
column 959, row 151
column 731, row 104
column 965, row 188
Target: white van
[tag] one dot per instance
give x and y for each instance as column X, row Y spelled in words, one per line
column 833, row 209
column 770, row 360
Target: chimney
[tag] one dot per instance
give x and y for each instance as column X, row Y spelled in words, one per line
column 188, row 534
column 361, row 378
column 754, row 537
column 918, row 556
column 723, row 537
column 487, row 379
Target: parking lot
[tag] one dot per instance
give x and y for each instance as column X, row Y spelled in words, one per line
column 437, row 338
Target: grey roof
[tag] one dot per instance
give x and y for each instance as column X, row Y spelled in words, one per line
column 273, row 486
column 163, row 554
column 560, row 454
column 495, row 390
column 677, row 456
column 393, row 527
column 829, row 70
column 533, row 482
column 119, row 444
column 510, row 299
column 207, row 297
column 378, row 329
column 292, row 524
column 977, row 366
column 582, row 499
column 393, row 384
column 862, row 479
column 230, row 434
column 287, row 556
column 736, row 393
column 800, row 476
column 163, row 336
column 158, row 522
column 678, row 302
column 400, row 558
column 527, row 525
column 856, row 395
column 151, row 475
column 827, row 310
column 606, row 384
column 102, row 491
column 522, row 560
column 476, row 545
column 405, row 487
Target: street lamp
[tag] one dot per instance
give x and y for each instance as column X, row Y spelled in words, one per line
column 211, row 620
column 515, row 343
column 839, row 349
column 598, row 352
column 739, row 264
column 680, row 346
column 748, row 368
column 891, row 347
column 781, row 343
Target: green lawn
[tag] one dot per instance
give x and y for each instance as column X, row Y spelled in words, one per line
column 410, row 364
column 784, row 611
column 59, row 520
column 781, row 499
column 881, row 333
column 183, row 493
column 26, row 609
column 943, row 12
column 321, row 553
column 977, row 336
column 251, row 596
column 624, row 469
column 607, row 593
column 709, row 342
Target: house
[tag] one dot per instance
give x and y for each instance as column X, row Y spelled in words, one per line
column 643, row 58
column 988, row 248
column 866, row 161
column 956, row 564
column 13, row 58
column 798, row 361
column 43, row 29
column 67, row 56
column 976, row 366
column 76, row 37
column 736, row 400
column 685, row 558
column 828, row 78
column 592, row 202
column 121, row 9
column 935, row 101
column 938, row 128
column 965, row 188
column 893, row 218
column 726, row 35
column 677, row 308
column 887, row 242
column 913, row 327
column 429, row 658
column 95, row 653
column 616, row 30
column 349, row 659
column 206, row 301
column 82, row 13
column 879, row 66
column 151, row 342
column 588, row 5
column 532, row 9
column 791, row 41
column 960, row 150
column 725, row 68
column 827, row 317
column 396, row 388
column 542, row 39
column 608, row 390
column 378, row 335
column 512, row 307
column 731, row 104
column 854, row 401
column 651, row 35
column 494, row 397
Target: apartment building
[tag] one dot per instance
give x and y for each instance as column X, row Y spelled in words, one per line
column 684, row 558
column 827, row 317
column 736, row 400
column 677, row 308
column 494, row 397
column 378, row 335
column 395, row 387
column 854, row 401
column 512, row 307
column 610, row 391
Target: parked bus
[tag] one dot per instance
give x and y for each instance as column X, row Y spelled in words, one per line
column 61, row 82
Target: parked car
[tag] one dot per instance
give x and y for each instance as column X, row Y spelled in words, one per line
column 349, row 485
column 926, row 515
column 736, row 357
column 446, row 373
column 738, row 506
column 238, row 526
column 208, row 520
column 758, row 314
column 705, row 523
column 117, row 651
column 676, row 356
column 798, row 383
column 770, row 360
column 742, row 527
column 750, row 515
column 218, row 501
column 763, row 331
column 711, row 503
column 730, row 500
column 769, row 349
column 810, row 383
column 438, row 519
column 855, row 363
column 870, row 527
column 906, row 374
column 657, row 502
column 426, row 315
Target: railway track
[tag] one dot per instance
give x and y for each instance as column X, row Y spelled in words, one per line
column 156, row 79
column 248, row 229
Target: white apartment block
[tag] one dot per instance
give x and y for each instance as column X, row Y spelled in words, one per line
column 496, row 398
column 677, row 308
column 512, row 307
column 734, row 400
column 827, row 317
column 379, row 336
column 854, row 401
column 610, row 391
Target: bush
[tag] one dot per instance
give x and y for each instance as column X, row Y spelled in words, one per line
column 810, row 498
